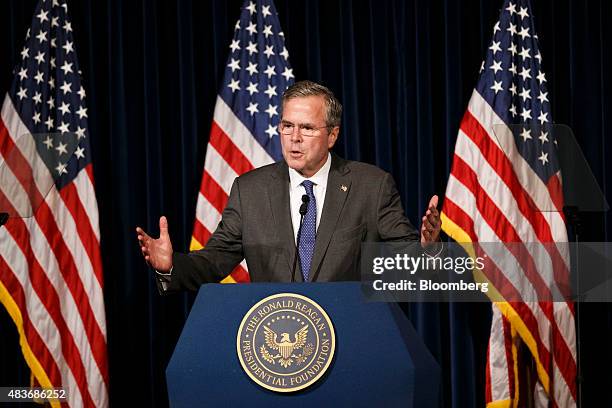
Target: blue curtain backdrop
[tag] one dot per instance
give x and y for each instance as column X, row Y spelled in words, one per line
column 404, row 71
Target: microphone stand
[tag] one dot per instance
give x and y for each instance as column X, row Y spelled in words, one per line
column 303, row 211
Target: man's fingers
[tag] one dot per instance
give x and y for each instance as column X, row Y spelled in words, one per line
column 430, row 221
column 432, row 211
column 141, row 235
column 163, row 227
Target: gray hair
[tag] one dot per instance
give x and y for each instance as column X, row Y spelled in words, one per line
column 333, row 107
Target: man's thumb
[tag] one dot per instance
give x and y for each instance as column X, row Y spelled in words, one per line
column 163, row 227
column 433, row 202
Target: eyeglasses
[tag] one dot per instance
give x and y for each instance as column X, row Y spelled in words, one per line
column 287, row 128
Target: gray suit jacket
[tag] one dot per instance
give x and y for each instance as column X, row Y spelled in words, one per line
column 361, row 204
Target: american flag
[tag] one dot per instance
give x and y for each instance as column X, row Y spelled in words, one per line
column 505, row 186
column 244, row 131
column 50, row 265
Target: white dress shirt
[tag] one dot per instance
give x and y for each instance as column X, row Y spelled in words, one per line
column 296, row 191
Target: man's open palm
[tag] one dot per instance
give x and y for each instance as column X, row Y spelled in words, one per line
column 157, row 252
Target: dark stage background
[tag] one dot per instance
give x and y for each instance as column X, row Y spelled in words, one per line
column 404, row 71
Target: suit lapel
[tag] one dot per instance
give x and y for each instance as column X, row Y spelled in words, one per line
column 338, row 187
column 278, row 194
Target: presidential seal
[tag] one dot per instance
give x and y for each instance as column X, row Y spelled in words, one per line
column 286, row 342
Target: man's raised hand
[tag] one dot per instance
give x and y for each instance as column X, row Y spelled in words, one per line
column 431, row 223
column 157, row 252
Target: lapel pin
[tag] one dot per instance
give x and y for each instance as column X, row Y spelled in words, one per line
column 343, row 188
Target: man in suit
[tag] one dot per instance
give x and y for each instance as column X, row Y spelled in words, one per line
column 345, row 203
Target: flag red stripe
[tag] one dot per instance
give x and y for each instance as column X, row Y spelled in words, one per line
column 228, row 150
column 562, row 278
column 46, row 221
column 38, row 347
column 70, row 196
column 456, row 213
column 563, row 356
column 213, row 192
column 555, row 189
column 200, row 233
column 239, row 274
column 89, row 170
column 19, row 165
column 47, row 294
column 5, row 139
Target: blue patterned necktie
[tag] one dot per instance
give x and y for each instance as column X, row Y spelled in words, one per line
column 309, row 231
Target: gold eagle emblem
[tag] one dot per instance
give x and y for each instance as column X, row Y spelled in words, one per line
column 286, row 347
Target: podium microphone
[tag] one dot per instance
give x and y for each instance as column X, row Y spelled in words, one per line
column 303, row 211
column 4, row 217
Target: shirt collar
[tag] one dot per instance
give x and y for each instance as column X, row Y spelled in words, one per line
column 319, row 178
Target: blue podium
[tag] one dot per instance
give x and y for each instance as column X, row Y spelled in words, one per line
column 379, row 360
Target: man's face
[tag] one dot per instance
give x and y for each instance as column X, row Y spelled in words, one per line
column 306, row 154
